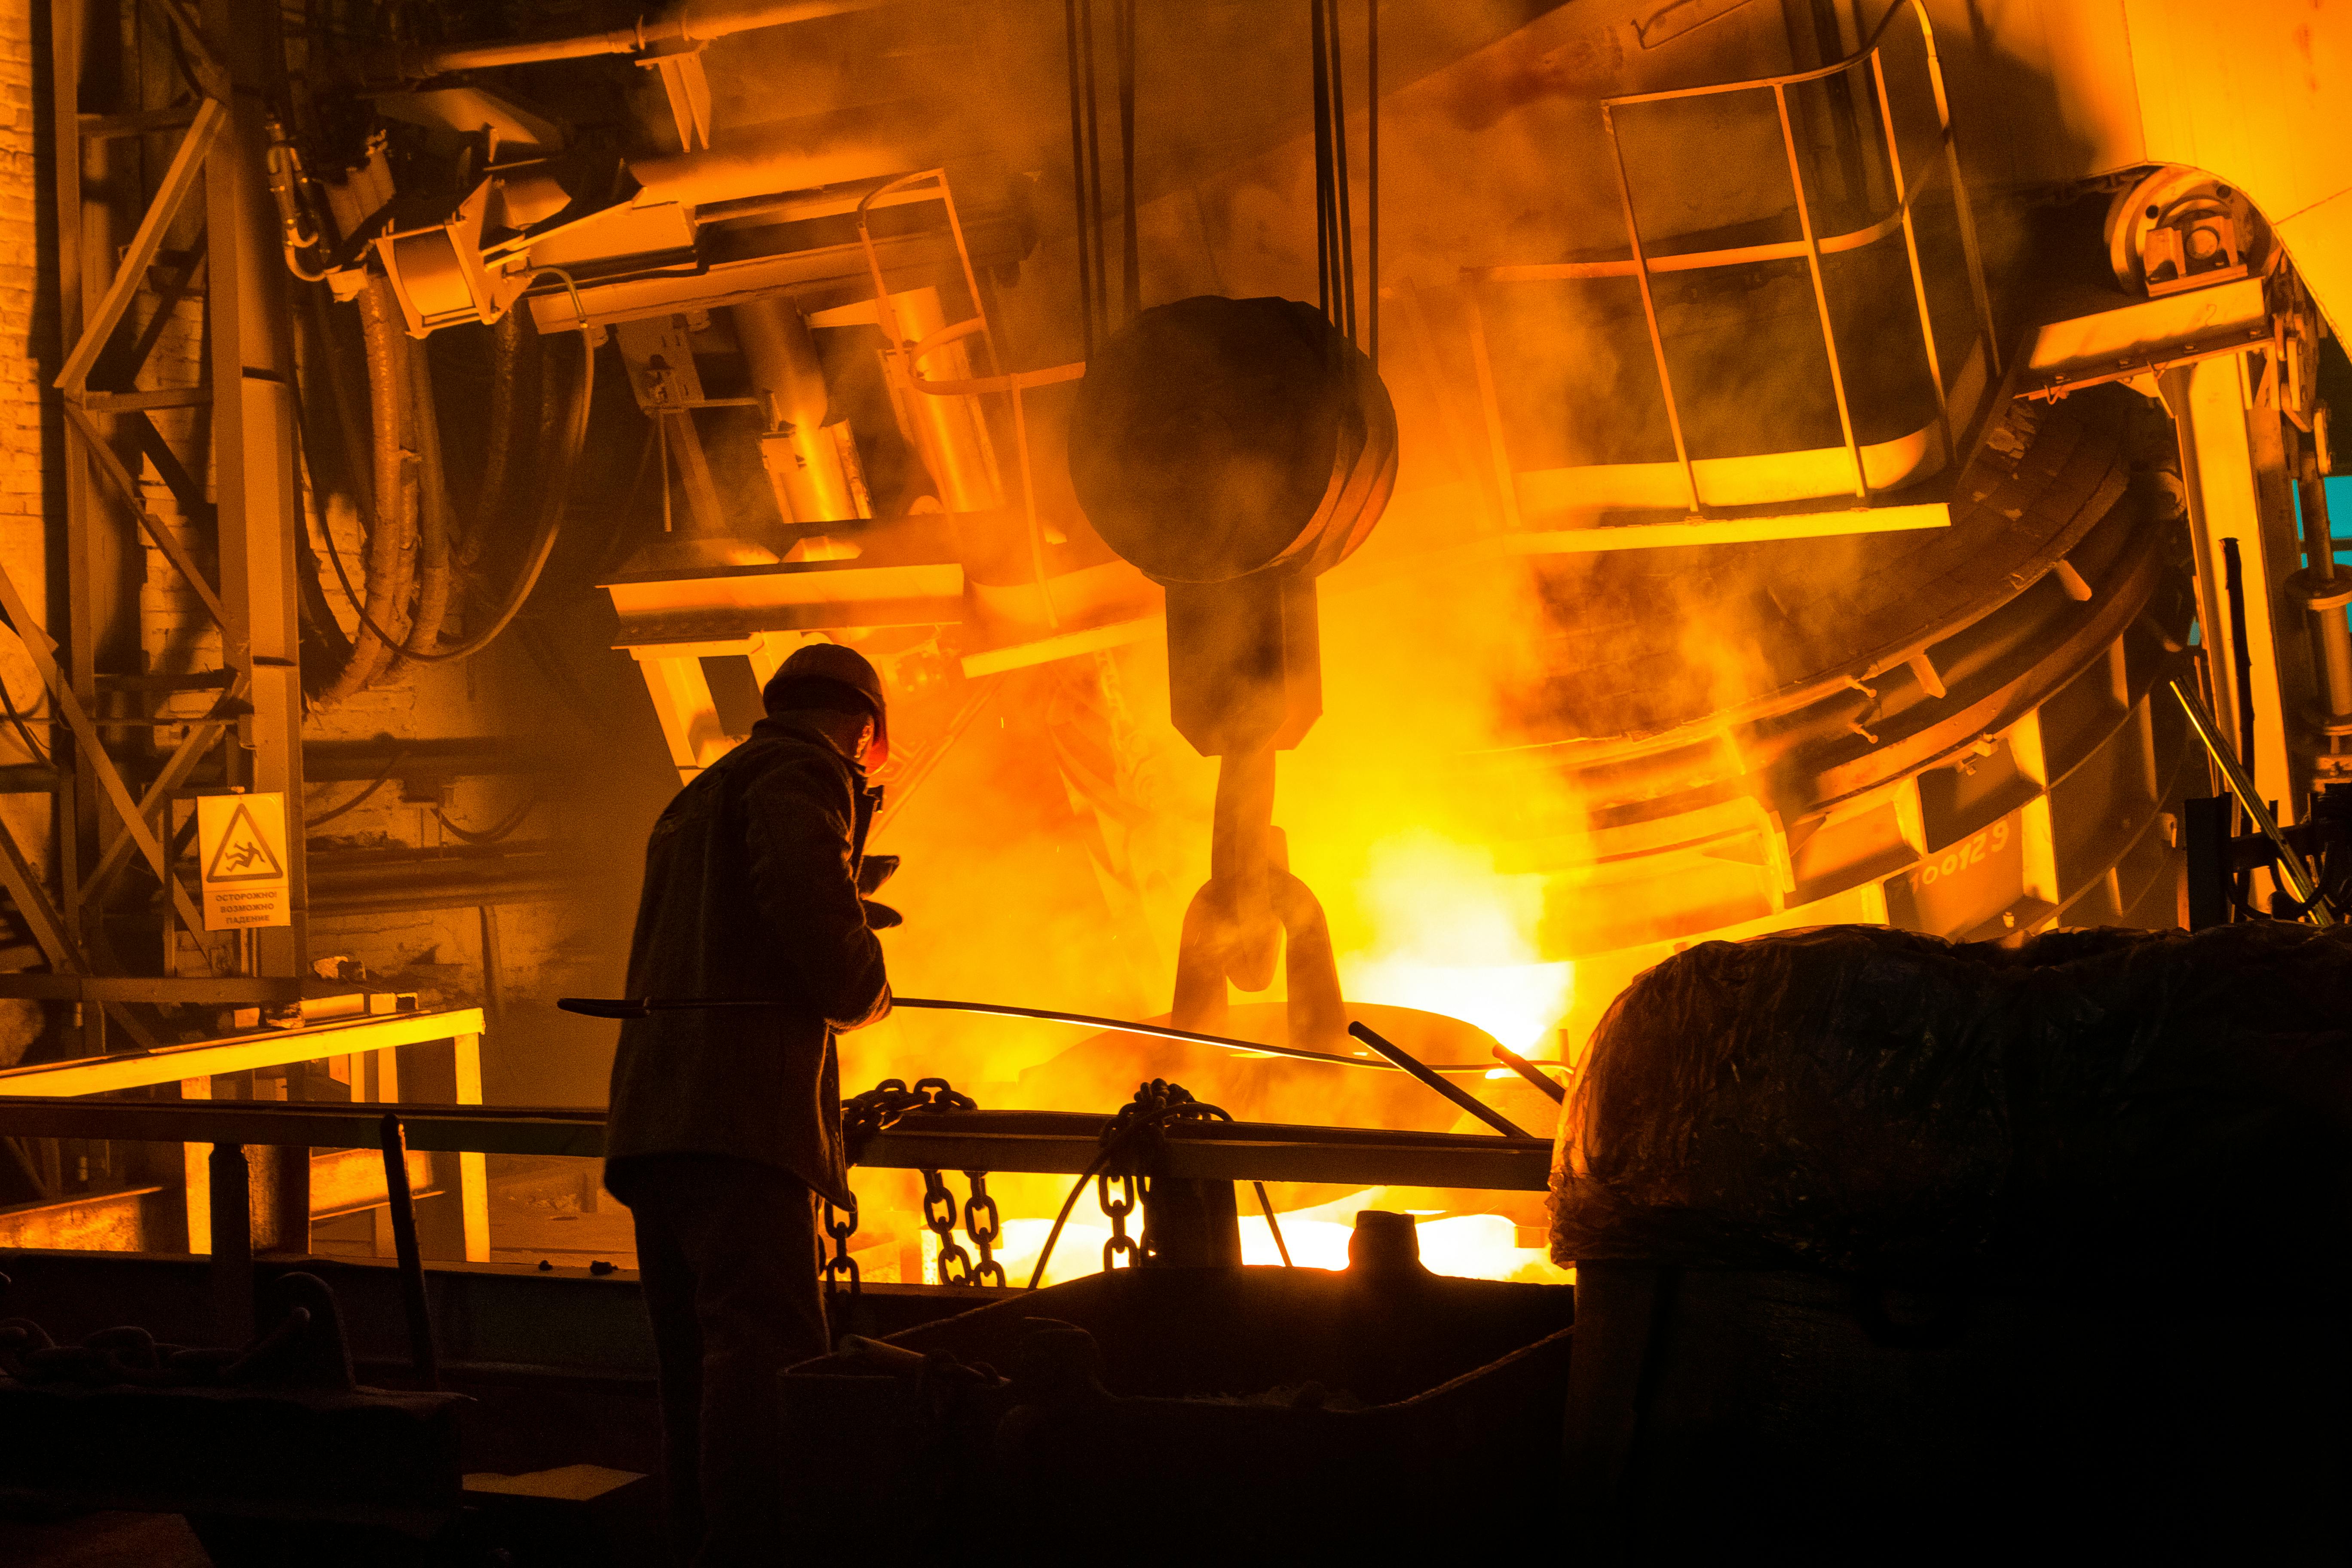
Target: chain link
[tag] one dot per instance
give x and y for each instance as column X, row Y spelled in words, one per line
column 982, row 1222
column 840, row 1226
column 940, row 1214
column 1120, row 1243
column 880, row 1108
column 876, row 1110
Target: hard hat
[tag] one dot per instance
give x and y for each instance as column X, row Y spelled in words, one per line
column 846, row 672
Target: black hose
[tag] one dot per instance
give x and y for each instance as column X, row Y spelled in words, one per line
column 505, row 825
column 354, row 803
column 556, row 497
column 1055, row 1235
column 1272, row 1224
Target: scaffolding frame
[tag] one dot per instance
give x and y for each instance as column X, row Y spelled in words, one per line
column 247, row 391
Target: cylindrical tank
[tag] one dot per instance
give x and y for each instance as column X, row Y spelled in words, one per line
column 799, row 449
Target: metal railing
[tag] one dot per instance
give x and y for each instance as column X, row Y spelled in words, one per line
column 906, row 359
column 1905, row 186
column 1041, row 1141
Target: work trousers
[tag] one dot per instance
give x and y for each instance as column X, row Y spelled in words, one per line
column 727, row 1254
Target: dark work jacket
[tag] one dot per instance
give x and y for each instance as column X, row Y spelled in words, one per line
column 751, row 890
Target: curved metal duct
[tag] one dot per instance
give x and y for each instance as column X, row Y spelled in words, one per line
column 1951, row 731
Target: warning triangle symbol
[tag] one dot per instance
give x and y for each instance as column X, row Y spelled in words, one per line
column 244, row 854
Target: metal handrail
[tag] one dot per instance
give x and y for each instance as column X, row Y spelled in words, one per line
column 1787, row 78
column 1052, row 1143
column 1812, row 247
column 1683, row 260
column 996, row 380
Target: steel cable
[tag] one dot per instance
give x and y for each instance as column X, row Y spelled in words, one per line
column 354, row 803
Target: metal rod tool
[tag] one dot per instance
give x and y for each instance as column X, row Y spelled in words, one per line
column 1397, row 1054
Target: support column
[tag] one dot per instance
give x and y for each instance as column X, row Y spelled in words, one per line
column 253, row 442
column 195, row 1162
column 232, row 1243
column 2232, row 467
column 457, row 1223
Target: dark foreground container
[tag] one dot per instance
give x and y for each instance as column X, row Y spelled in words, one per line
column 1892, row 1249
column 1161, row 1413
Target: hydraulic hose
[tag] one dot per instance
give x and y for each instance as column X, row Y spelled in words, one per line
column 508, row 343
column 434, row 570
column 392, row 539
column 554, row 495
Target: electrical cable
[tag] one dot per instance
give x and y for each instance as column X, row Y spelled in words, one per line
column 1273, row 1225
column 354, row 803
column 551, row 515
column 505, row 825
column 1046, row 1253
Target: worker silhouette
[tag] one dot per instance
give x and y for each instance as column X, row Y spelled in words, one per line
column 725, row 1127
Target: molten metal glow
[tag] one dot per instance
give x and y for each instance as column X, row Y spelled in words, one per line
column 1456, row 936
column 1472, row 1246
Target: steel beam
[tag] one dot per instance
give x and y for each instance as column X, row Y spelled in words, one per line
column 253, row 443
column 211, row 1058
column 1044, row 1142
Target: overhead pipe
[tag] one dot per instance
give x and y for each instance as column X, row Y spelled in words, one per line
column 681, row 26
column 839, row 147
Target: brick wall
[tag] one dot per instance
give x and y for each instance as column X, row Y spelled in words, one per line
column 22, row 544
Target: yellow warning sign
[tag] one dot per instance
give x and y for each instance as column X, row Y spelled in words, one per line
column 241, row 840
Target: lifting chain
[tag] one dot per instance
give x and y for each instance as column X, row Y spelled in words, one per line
column 840, row 1226
column 876, row 1110
column 880, row 1107
column 1120, row 1243
column 982, row 1222
column 940, row 1214
column 1135, row 1141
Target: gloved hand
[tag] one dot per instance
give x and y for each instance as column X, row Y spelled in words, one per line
column 881, row 916
column 875, row 870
